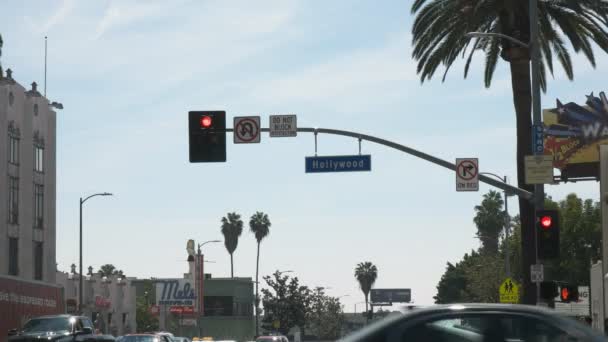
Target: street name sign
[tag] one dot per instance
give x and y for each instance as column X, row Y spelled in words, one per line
column 539, row 169
column 390, row 295
column 538, row 138
column 537, row 273
column 246, row 129
column 509, row 291
column 338, row 163
column 283, row 126
column 467, row 174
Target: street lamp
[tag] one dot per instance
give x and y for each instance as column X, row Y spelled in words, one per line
column 80, row 271
column 507, row 222
column 288, row 271
column 199, row 279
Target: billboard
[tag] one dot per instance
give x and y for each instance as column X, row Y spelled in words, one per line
column 179, row 292
column 573, row 134
column 390, row 295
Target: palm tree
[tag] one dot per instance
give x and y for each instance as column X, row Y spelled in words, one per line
column 232, row 228
column 366, row 274
column 490, row 221
column 260, row 226
column 439, row 38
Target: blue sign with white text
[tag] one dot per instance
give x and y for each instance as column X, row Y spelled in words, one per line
column 338, row 163
column 538, row 138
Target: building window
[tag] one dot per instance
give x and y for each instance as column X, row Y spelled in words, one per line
column 13, row 256
column 38, row 260
column 36, row 109
column 13, row 200
column 38, row 205
column 11, row 99
column 38, row 158
column 13, row 149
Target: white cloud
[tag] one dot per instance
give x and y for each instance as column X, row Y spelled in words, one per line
column 57, row 17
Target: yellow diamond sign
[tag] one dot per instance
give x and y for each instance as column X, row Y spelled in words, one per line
column 509, row 292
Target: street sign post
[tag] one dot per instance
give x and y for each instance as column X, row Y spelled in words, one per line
column 509, row 291
column 338, row 163
column 537, row 273
column 539, row 169
column 247, row 129
column 467, row 174
column 283, row 126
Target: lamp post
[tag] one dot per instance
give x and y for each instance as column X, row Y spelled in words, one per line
column 507, row 223
column 80, row 266
column 199, row 281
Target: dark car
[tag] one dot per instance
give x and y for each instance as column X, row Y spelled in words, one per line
column 57, row 328
column 477, row 323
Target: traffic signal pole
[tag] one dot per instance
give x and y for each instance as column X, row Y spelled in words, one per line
column 510, row 189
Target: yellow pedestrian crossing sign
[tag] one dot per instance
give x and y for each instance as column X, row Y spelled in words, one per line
column 509, row 292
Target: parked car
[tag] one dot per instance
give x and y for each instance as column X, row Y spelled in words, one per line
column 181, row 339
column 477, row 322
column 272, row 338
column 57, row 328
column 145, row 337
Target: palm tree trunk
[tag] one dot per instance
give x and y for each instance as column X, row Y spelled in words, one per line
column 522, row 99
column 257, row 300
column 366, row 310
column 231, row 267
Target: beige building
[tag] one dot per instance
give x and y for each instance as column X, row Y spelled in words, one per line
column 109, row 301
column 27, row 182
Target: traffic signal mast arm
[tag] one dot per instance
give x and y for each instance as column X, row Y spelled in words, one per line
column 493, row 182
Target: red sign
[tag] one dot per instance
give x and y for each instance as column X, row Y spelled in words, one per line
column 154, row 310
column 102, row 302
column 21, row 300
column 182, row 310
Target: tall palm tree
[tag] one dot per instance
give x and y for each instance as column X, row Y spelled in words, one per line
column 232, row 228
column 490, row 220
column 260, row 227
column 366, row 274
column 439, row 38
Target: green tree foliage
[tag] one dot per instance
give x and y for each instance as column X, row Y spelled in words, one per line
column 324, row 316
column 490, row 221
column 232, row 228
column 285, row 302
column 366, row 274
column 146, row 321
column 478, row 275
column 109, row 270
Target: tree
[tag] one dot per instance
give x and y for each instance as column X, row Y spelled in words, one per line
column 232, row 228
column 366, row 274
column 146, row 321
column 286, row 302
column 490, row 221
column 325, row 315
column 109, row 270
column 260, row 227
column 439, row 37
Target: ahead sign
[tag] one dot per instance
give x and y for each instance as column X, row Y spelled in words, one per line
column 467, row 174
column 283, row 126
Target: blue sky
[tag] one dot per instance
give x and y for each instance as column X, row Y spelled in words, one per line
column 128, row 72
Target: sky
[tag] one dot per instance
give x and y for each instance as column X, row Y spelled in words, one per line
column 128, row 72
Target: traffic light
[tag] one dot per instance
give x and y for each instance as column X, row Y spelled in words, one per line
column 207, row 132
column 548, row 290
column 547, row 233
column 568, row 293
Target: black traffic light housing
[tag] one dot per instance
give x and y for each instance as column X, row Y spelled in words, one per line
column 548, row 290
column 547, row 233
column 207, row 136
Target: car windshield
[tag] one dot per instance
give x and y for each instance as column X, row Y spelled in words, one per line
column 47, row 324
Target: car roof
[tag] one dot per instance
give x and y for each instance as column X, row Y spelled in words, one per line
column 60, row 316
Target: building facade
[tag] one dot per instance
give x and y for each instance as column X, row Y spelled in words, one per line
column 27, row 183
column 110, row 302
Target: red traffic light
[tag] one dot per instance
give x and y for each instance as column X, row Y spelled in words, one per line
column 206, row 121
column 546, row 222
column 565, row 294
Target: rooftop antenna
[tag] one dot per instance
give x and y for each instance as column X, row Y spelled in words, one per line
column 45, row 53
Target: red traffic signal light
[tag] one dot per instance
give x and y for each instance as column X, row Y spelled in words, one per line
column 546, row 222
column 565, row 294
column 206, row 121
column 568, row 293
